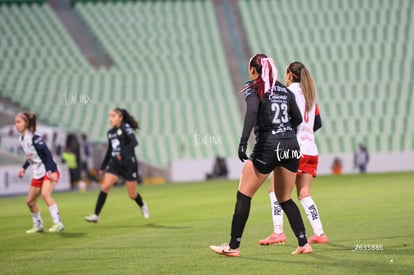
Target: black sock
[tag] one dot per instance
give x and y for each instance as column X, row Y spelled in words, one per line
column 295, row 220
column 240, row 216
column 100, row 202
column 138, row 200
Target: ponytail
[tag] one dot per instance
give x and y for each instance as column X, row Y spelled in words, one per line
column 31, row 122
column 267, row 70
column 127, row 118
column 302, row 75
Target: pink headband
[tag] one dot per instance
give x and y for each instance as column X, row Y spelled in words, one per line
column 290, row 71
column 23, row 116
column 269, row 71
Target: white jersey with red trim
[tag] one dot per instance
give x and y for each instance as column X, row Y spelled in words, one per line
column 39, row 170
column 305, row 133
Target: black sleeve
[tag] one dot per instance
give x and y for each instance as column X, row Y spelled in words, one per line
column 44, row 153
column 295, row 115
column 252, row 103
column 106, row 158
column 318, row 123
column 26, row 164
column 132, row 140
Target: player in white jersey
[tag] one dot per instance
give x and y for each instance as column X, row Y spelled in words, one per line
column 300, row 82
column 45, row 172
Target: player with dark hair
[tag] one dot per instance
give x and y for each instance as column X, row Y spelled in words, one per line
column 273, row 112
column 45, row 172
column 300, row 82
column 121, row 161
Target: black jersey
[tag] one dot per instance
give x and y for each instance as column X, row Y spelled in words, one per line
column 276, row 115
column 121, row 141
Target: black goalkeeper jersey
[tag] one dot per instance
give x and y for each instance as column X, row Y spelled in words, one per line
column 121, row 141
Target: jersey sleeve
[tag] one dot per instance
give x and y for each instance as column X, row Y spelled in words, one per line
column 131, row 137
column 26, row 164
column 318, row 121
column 252, row 107
column 295, row 114
column 44, row 153
column 107, row 156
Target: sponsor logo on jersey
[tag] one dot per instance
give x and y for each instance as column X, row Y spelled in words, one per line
column 110, row 136
column 280, row 89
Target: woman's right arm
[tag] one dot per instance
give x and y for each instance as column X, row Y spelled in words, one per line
column 26, row 164
column 106, row 158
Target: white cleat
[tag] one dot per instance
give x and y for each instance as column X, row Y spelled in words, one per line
column 145, row 211
column 57, row 227
column 92, row 218
column 35, row 229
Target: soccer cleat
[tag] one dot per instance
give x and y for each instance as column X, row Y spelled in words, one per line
column 306, row 249
column 145, row 211
column 273, row 238
column 225, row 250
column 92, row 218
column 318, row 239
column 57, row 227
column 35, row 229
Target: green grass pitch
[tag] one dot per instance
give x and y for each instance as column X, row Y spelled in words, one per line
column 357, row 210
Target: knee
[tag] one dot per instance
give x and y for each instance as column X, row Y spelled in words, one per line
column 30, row 202
column 46, row 197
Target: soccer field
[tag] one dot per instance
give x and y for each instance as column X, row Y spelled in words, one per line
column 356, row 211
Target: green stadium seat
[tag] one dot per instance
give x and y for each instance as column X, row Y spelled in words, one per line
column 352, row 48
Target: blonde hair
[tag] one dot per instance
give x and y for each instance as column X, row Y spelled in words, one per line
column 302, row 75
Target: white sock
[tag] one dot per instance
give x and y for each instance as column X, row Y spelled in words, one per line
column 313, row 215
column 37, row 219
column 277, row 214
column 54, row 212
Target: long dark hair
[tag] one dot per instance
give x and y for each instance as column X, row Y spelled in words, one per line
column 127, row 118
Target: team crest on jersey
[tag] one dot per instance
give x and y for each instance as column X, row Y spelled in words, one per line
column 119, row 132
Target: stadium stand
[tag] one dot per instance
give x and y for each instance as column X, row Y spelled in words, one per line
column 360, row 54
column 173, row 73
column 170, row 70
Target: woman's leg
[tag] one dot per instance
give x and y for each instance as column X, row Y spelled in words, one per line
column 47, row 189
column 303, row 186
column 284, row 181
column 133, row 195
column 277, row 217
column 250, row 181
column 108, row 181
column 31, row 202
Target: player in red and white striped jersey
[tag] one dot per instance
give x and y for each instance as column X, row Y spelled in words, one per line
column 300, row 82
